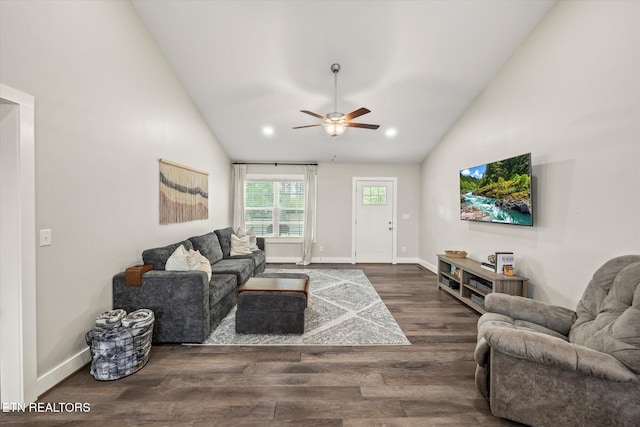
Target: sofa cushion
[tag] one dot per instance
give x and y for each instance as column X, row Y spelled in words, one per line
column 241, row 268
column 158, row 256
column 220, row 286
column 609, row 312
column 258, row 257
column 224, row 236
column 208, row 246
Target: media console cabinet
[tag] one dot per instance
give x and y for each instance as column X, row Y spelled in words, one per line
column 467, row 281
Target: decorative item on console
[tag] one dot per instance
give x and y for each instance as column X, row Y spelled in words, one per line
column 491, row 264
column 455, row 271
column 501, row 263
column 505, row 261
column 456, row 254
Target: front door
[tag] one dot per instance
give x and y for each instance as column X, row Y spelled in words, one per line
column 374, row 221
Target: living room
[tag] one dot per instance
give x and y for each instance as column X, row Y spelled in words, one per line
column 108, row 105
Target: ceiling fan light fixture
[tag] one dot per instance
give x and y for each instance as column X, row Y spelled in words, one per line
column 335, row 128
column 335, row 123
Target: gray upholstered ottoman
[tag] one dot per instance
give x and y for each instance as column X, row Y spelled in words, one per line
column 272, row 303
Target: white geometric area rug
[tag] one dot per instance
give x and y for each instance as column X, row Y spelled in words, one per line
column 343, row 309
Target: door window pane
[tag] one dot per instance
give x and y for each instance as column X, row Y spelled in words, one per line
column 374, row 195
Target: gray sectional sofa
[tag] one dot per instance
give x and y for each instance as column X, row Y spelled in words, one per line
column 186, row 304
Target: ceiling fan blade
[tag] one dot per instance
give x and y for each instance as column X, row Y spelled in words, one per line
column 362, row 125
column 307, row 126
column 313, row 114
column 359, row 112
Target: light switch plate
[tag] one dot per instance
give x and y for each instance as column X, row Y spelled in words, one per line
column 405, row 216
column 45, row 237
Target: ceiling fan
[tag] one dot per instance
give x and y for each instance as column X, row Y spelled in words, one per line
column 335, row 123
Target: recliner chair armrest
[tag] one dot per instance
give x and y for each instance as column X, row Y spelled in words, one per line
column 550, row 316
column 548, row 350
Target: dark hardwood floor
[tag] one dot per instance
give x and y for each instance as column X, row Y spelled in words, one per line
column 428, row 383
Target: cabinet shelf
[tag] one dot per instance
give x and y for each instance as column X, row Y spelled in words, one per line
column 453, row 292
column 473, row 305
column 455, row 279
column 471, row 270
column 476, row 290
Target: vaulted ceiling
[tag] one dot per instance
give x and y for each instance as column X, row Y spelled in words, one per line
column 417, row 65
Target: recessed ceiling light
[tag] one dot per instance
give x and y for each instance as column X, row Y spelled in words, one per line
column 267, row 130
column 391, row 132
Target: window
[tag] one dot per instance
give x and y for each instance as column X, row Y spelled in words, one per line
column 275, row 207
column 374, row 195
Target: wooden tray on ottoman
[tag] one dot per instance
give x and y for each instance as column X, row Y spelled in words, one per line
column 276, row 284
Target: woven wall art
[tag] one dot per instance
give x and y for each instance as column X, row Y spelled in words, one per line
column 184, row 193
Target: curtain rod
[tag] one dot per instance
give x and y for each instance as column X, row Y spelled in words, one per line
column 275, row 163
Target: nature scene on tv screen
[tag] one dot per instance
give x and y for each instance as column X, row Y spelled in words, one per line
column 497, row 192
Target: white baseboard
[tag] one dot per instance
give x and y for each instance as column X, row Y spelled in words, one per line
column 315, row 260
column 63, row 370
column 331, row 260
column 283, row 260
column 403, row 260
column 432, row 268
column 344, row 260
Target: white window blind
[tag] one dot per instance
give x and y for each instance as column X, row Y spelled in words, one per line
column 275, row 207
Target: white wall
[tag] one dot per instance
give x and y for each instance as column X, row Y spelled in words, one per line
column 108, row 106
column 570, row 95
column 333, row 223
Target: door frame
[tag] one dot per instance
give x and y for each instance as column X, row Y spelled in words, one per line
column 354, row 201
column 18, row 360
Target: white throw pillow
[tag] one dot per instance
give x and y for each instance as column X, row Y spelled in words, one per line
column 201, row 262
column 179, row 260
column 240, row 245
column 183, row 260
column 253, row 241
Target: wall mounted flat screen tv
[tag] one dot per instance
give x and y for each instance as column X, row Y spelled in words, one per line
column 498, row 192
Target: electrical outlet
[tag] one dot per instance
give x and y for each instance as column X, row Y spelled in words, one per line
column 321, row 248
column 45, row 237
column 404, row 249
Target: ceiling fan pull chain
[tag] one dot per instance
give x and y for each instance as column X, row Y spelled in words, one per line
column 333, row 151
column 335, row 68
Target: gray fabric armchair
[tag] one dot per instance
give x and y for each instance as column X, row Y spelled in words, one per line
column 545, row 365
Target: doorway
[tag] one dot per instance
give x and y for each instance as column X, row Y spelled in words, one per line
column 374, row 220
column 18, row 358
